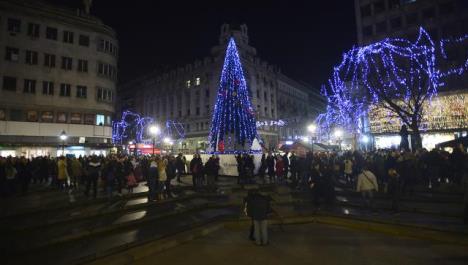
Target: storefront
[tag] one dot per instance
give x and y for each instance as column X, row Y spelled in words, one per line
column 35, row 151
column 143, row 149
column 445, row 119
column 429, row 140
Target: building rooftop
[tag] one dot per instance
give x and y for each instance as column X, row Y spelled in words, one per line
column 66, row 14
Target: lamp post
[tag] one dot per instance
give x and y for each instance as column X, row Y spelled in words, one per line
column 128, row 147
column 338, row 134
column 154, row 131
column 168, row 142
column 63, row 136
column 365, row 140
column 312, row 128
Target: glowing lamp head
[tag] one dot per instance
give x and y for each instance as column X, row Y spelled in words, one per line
column 154, row 130
column 311, row 128
column 63, row 136
column 338, row 133
column 365, row 139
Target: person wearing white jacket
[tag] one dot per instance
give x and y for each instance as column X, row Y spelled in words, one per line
column 367, row 185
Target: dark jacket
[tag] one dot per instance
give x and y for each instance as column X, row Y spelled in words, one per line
column 180, row 165
column 258, row 206
column 171, row 169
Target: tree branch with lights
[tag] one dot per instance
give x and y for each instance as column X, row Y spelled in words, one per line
column 395, row 74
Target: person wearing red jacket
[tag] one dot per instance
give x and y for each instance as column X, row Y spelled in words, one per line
column 279, row 168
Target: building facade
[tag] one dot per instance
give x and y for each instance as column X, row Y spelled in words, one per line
column 58, row 74
column 187, row 95
column 379, row 19
column 446, row 115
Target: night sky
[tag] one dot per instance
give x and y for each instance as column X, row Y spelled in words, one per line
column 304, row 38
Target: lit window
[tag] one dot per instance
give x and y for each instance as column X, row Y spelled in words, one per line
column 99, row 119
column 188, row 83
column 197, row 81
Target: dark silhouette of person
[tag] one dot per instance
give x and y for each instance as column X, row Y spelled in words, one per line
column 404, row 144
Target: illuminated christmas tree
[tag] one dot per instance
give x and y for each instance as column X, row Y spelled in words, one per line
column 233, row 126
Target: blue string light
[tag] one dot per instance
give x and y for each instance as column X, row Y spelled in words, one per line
column 174, row 128
column 129, row 121
column 233, row 126
column 133, row 121
column 393, row 70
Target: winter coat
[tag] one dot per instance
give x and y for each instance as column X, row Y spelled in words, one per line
column 180, row 165
column 153, row 171
column 348, row 167
column 367, row 181
column 93, row 168
column 171, row 169
column 62, row 173
column 162, row 169
column 131, row 181
column 279, row 167
column 10, row 172
column 77, row 170
column 258, row 206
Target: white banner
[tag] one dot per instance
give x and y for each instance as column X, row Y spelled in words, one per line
column 227, row 163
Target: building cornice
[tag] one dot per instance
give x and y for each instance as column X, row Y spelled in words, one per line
column 63, row 15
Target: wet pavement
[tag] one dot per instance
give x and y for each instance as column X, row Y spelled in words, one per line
column 50, row 227
column 21, row 240
column 86, row 248
column 310, row 244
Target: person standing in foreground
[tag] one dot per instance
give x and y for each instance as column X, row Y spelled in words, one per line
column 367, row 185
column 257, row 207
column 93, row 172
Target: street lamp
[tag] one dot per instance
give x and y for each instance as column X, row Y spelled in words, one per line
column 168, row 142
column 63, row 136
column 365, row 140
column 312, row 128
column 154, row 130
column 338, row 134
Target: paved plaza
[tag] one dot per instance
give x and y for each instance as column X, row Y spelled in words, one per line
column 310, row 244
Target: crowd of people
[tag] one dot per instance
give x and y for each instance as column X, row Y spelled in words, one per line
column 388, row 171
column 392, row 173
column 111, row 174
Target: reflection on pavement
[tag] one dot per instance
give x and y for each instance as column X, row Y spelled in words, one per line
column 136, row 201
column 131, row 217
column 341, row 199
